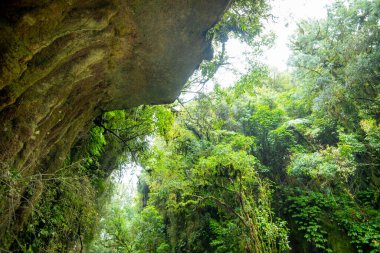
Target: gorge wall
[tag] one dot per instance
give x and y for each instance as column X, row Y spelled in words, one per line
column 64, row 62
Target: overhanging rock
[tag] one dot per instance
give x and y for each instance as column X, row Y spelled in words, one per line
column 62, row 62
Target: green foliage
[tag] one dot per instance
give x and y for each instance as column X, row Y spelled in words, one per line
column 361, row 223
column 338, row 60
column 306, row 212
column 336, row 172
column 242, row 20
column 208, row 166
column 126, row 230
column 66, row 204
column 312, row 212
column 225, row 236
column 223, row 179
column 326, row 167
column 61, row 213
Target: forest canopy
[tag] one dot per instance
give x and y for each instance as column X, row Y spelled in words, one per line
column 275, row 163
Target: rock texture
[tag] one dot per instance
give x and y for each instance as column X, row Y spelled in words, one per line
column 63, row 62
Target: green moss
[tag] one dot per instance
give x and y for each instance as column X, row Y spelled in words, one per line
column 337, row 240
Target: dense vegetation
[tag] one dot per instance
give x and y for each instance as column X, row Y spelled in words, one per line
column 278, row 162
column 72, row 199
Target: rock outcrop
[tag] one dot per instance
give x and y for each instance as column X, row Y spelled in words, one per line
column 63, row 62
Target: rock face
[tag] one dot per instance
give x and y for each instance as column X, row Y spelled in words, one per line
column 63, row 62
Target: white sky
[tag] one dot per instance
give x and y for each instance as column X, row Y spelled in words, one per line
column 288, row 13
column 126, row 180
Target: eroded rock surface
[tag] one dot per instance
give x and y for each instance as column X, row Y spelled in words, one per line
column 63, row 62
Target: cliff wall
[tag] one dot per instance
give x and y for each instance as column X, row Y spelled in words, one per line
column 64, row 62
